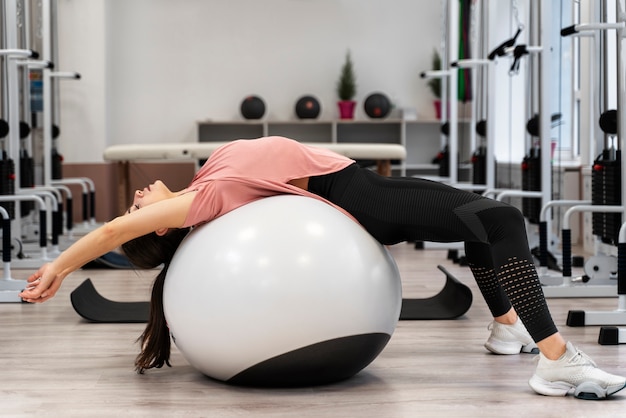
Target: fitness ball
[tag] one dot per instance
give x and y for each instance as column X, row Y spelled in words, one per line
column 377, row 105
column 252, row 107
column 285, row 291
column 307, row 107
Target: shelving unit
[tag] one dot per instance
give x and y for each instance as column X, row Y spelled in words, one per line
column 421, row 138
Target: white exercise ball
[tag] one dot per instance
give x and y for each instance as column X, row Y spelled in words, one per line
column 284, row 291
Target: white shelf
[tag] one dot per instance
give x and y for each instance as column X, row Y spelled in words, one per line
column 421, row 138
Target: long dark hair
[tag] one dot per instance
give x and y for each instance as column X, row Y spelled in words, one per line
column 150, row 251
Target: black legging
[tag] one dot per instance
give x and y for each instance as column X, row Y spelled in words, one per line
column 394, row 209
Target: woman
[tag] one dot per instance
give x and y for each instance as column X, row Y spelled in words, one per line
column 391, row 209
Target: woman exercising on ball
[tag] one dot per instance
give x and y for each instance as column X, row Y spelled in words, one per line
column 391, row 209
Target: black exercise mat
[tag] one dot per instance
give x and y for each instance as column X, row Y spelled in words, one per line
column 111, row 260
column 92, row 306
column 451, row 302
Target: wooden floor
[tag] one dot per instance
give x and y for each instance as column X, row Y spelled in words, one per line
column 55, row 364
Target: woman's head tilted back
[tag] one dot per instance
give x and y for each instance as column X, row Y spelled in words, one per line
column 152, row 250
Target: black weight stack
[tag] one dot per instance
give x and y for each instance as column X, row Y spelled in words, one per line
column 57, row 165
column 606, row 186
column 27, row 180
column 7, row 182
column 479, row 166
column 531, row 181
column 443, row 160
column 57, row 159
column 27, row 170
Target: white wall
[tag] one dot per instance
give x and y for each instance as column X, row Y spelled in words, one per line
column 153, row 68
column 82, row 45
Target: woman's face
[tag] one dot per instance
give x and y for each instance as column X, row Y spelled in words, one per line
column 152, row 193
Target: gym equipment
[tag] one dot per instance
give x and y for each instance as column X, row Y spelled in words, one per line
column 17, row 164
column 449, row 88
column 532, row 168
column 377, row 105
column 252, row 107
column 9, row 287
column 608, row 183
column 40, row 98
column 482, row 160
column 609, row 335
column 606, row 205
column 308, row 107
column 12, row 59
column 323, row 296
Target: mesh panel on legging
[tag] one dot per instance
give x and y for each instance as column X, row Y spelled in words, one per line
column 402, row 209
column 484, row 273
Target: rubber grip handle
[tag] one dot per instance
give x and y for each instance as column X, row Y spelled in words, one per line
column 570, row 30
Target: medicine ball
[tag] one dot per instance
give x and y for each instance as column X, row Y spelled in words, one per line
column 608, row 122
column 56, row 131
column 377, row 105
column 307, row 107
column 4, row 128
column 24, row 129
column 253, row 107
column 481, row 128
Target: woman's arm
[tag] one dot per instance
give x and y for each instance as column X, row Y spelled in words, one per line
column 158, row 216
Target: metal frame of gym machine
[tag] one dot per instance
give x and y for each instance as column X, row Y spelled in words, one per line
column 609, row 335
column 449, row 82
column 539, row 16
column 51, row 112
column 569, row 287
column 9, row 287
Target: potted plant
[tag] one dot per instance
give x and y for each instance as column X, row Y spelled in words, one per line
column 435, row 83
column 346, row 89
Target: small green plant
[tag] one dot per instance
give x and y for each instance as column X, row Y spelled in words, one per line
column 435, row 83
column 346, row 86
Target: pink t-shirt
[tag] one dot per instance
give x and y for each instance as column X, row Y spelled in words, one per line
column 246, row 170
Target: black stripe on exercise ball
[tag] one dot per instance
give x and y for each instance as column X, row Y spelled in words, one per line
column 321, row 363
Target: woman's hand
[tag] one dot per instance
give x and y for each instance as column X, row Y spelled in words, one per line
column 42, row 285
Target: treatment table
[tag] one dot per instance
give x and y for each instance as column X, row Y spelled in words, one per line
column 383, row 154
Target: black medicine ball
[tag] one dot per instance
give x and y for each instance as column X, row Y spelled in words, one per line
column 4, row 128
column 253, row 107
column 307, row 107
column 377, row 105
column 24, row 129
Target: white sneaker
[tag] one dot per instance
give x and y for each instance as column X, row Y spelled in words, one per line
column 510, row 339
column 574, row 374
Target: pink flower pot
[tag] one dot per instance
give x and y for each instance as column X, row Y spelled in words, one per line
column 346, row 109
column 437, row 104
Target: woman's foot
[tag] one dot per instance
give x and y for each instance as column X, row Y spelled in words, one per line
column 574, row 373
column 510, row 339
